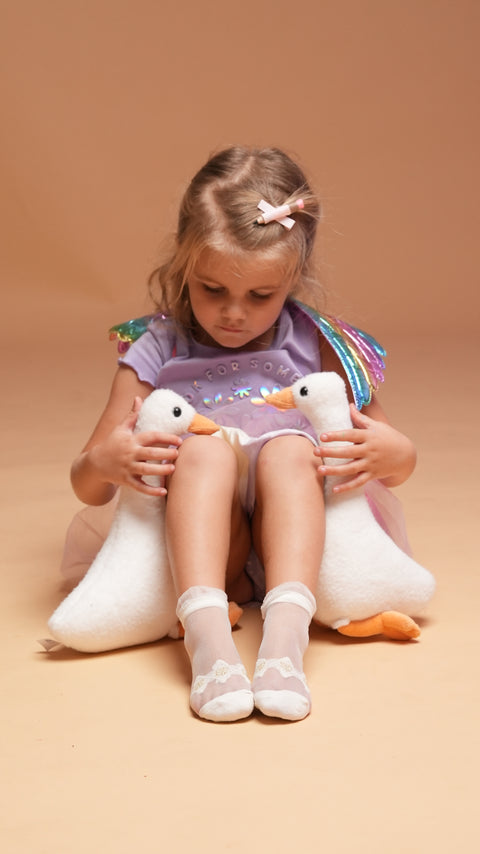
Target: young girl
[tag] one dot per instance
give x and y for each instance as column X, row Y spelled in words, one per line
column 229, row 335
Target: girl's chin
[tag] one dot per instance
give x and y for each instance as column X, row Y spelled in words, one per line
column 243, row 340
column 235, row 339
column 231, row 339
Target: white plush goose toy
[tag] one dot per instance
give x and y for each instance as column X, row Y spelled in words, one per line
column 127, row 596
column 367, row 585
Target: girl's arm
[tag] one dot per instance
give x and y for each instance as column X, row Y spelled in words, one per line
column 377, row 451
column 115, row 455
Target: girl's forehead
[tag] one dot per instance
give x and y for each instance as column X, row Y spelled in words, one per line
column 219, row 264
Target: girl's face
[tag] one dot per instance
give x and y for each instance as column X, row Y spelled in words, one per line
column 236, row 301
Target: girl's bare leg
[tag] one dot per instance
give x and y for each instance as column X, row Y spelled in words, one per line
column 288, row 522
column 288, row 529
column 208, row 534
column 208, row 540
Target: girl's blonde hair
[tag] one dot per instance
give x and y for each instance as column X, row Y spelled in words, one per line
column 219, row 211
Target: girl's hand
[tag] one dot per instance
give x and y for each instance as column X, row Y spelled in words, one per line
column 124, row 458
column 376, row 452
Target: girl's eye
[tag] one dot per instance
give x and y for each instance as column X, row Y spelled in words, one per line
column 258, row 296
column 210, row 290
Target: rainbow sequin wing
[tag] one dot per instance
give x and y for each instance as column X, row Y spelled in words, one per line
column 126, row 333
column 360, row 354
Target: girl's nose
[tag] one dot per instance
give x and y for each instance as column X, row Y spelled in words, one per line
column 234, row 309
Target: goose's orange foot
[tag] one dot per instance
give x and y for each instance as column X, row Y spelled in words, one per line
column 234, row 614
column 390, row 623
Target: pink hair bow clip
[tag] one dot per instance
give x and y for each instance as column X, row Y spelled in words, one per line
column 280, row 214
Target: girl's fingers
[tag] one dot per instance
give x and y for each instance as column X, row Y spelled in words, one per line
column 340, row 452
column 359, row 419
column 153, row 439
column 353, row 468
column 140, row 486
column 361, row 480
column 156, row 455
column 131, row 418
column 353, row 436
column 129, row 421
column 152, row 469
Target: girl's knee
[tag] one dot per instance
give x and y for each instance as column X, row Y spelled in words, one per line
column 205, row 452
column 287, row 453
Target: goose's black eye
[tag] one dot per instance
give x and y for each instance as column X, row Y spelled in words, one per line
column 177, row 412
column 304, row 391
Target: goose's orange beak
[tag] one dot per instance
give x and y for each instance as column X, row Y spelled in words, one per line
column 282, row 399
column 202, row 425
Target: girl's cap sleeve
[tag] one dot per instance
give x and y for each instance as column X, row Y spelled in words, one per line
column 147, row 355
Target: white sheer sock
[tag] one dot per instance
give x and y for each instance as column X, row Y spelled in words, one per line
column 221, row 690
column 279, row 685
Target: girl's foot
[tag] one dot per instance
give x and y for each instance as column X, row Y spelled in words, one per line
column 279, row 685
column 221, row 690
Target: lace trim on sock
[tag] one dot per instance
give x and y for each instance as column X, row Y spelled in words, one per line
column 283, row 665
column 220, row 672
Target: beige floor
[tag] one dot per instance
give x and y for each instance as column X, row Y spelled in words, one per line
column 100, row 753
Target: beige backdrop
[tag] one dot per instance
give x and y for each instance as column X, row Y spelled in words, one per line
column 107, row 108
